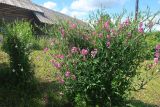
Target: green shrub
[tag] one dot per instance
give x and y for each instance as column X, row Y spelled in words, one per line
column 99, row 70
column 98, row 65
column 16, row 44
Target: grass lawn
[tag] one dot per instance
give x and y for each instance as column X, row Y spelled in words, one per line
column 46, row 92
column 150, row 95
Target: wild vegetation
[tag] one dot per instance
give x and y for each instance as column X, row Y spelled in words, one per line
column 109, row 64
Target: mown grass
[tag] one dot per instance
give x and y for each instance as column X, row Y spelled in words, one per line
column 150, row 96
column 46, row 92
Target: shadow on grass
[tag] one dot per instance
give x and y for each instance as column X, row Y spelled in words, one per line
column 52, row 95
column 35, row 94
column 138, row 103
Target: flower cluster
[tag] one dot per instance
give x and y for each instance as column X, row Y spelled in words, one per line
column 156, row 59
column 84, row 52
column 73, row 26
column 106, row 25
column 56, row 64
column 74, row 50
column 108, row 43
column 141, row 30
column 93, row 53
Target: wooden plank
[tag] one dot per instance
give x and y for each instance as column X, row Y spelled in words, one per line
column 13, row 14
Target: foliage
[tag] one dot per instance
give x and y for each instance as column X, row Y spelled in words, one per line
column 39, row 43
column 80, row 102
column 69, row 34
column 45, row 93
column 152, row 39
column 98, row 66
column 17, row 37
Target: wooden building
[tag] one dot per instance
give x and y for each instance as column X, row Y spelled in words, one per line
column 11, row 10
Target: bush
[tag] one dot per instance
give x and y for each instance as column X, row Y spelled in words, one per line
column 98, row 64
column 17, row 37
column 99, row 70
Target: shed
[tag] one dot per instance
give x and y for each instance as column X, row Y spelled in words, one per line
column 11, row 10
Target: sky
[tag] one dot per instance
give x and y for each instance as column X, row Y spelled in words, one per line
column 82, row 8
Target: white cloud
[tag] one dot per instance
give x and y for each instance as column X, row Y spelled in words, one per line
column 89, row 5
column 80, row 8
column 78, row 14
column 65, row 10
column 157, row 27
column 50, row 5
column 73, row 13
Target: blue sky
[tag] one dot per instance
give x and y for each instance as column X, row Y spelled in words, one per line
column 81, row 8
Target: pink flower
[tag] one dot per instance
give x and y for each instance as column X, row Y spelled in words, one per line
column 157, row 54
column 73, row 26
column 46, row 50
column 108, row 37
column 127, row 22
column 141, row 30
column 140, row 24
column 61, row 81
column 74, row 50
column 120, row 26
column 62, row 33
column 57, row 65
column 60, row 56
column 100, row 35
column 94, row 53
column 108, row 44
column 106, row 25
column 67, row 74
column 156, row 60
column 94, row 33
column 158, row 46
column 84, row 52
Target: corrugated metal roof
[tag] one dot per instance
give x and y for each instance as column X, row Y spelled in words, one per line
column 25, row 4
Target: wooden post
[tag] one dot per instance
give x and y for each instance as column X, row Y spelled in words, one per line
column 136, row 10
